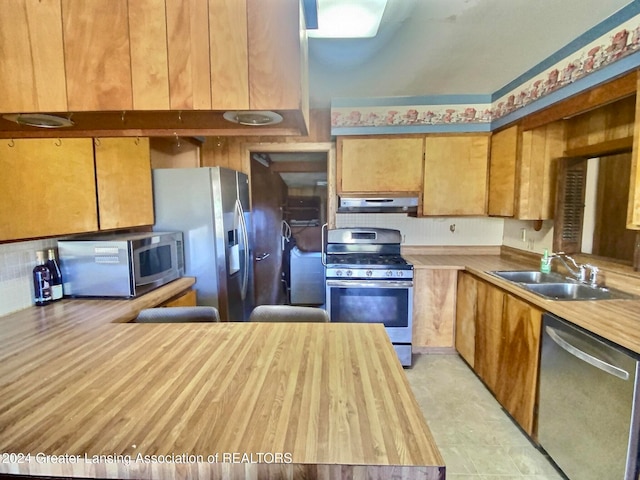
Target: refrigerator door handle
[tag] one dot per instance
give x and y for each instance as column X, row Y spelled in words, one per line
column 245, row 239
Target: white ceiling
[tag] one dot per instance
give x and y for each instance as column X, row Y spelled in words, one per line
column 435, row 47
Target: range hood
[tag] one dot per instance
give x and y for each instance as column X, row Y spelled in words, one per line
column 378, row 205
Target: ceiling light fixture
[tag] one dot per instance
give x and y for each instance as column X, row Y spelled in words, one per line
column 41, row 120
column 348, row 18
column 253, row 117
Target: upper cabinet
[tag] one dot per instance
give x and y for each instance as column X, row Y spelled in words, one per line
column 51, row 189
column 123, row 179
column 65, row 186
column 146, row 55
column 522, row 173
column 380, row 164
column 455, row 175
column 32, row 63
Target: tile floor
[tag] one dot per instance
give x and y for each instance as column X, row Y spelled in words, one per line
column 477, row 439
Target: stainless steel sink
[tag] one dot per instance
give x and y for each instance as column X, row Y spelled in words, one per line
column 557, row 287
column 532, row 276
column 576, row 291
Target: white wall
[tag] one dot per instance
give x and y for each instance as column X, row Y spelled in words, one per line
column 533, row 241
column 431, row 231
column 16, row 264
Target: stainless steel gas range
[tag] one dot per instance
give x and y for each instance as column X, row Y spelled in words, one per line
column 368, row 281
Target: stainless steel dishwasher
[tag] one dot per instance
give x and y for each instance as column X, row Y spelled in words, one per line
column 588, row 419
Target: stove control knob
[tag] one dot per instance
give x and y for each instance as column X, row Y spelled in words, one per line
column 400, row 273
column 369, row 273
column 349, row 273
column 338, row 273
column 389, row 273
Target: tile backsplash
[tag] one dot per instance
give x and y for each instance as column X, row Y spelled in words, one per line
column 16, row 264
column 473, row 231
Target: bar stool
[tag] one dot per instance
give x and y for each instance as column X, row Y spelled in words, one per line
column 178, row 315
column 288, row 313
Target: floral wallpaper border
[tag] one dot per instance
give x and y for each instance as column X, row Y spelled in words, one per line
column 618, row 43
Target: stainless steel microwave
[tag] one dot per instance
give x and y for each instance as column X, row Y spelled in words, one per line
column 120, row 264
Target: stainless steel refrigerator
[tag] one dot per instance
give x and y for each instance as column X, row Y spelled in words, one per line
column 210, row 206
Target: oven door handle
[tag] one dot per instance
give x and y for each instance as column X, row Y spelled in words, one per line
column 370, row 283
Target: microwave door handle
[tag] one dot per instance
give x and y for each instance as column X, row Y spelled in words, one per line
column 245, row 239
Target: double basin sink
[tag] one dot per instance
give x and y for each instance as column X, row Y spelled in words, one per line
column 554, row 286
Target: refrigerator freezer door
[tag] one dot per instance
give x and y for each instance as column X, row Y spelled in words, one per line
column 183, row 201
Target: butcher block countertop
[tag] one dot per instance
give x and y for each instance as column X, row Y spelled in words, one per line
column 83, row 395
column 615, row 320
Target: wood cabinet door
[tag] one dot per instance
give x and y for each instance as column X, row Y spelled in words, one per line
column 536, row 181
column 51, row 188
column 502, row 171
column 517, row 380
column 466, row 305
column 149, row 67
column 434, row 302
column 123, row 175
column 228, row 38
column 188, row 48
column 32, row 65
column 97, row 55
column 455, row 175
column 489, row 333
column 380, row 165
column 186, row 299
column 275, row 54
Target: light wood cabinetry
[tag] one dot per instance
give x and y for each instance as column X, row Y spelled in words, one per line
column 517, row 381
column 185, row 299
column 149, row 55
column 123, row 176
column 455, row 175
column 64, row 186
column 489, row 311
column 188, row 56
column 50, row 190
column 522, row 173
column 32, row 65
column 229, row 53
column 380, row 164
column 277, row 55
column 466, row 305
column 506, row 349
column 97, row 55
column 434, row 305
column 153, row 55
column 505, row 153
column 633, row 207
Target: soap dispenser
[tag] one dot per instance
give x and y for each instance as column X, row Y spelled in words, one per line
column 545, row 262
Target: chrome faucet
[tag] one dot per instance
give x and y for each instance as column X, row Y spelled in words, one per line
column 580, row 271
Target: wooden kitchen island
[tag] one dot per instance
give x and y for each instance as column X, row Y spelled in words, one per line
column 83, row 396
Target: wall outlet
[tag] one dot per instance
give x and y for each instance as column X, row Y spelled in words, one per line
column 523, row 235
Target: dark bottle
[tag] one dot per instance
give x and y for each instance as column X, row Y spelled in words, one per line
column 56, row 276
column 41, row 279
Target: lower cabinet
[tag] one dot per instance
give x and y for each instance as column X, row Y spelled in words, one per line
column 506, row 350
column 434, row 306
column 465, row 333
column 185, row 299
